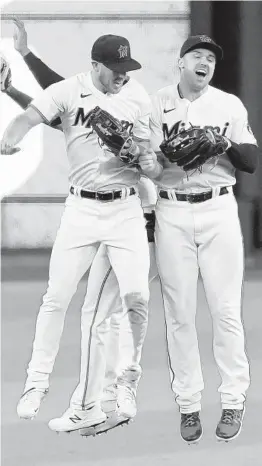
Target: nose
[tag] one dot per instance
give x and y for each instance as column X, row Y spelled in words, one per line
column 203, row 60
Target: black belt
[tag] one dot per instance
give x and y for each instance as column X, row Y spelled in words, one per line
column 192, row 198
column 100, row 195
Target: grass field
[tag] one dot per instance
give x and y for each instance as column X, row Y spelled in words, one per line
column 153, row 438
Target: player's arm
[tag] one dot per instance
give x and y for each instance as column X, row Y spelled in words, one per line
column 22, row 99
column 243, row 152
column 18, row 128
column 6, row 85
column 151, row 160
column 44, row 75
column 147, row 160
column 44, row 109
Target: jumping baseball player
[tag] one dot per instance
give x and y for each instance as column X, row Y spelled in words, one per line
column 204, row 136
column 102, row 207
column 122, row 357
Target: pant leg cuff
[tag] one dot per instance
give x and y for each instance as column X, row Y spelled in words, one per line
column 190, row 409
column 233, row 405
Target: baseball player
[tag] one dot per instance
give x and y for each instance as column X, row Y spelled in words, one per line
column 96, row 178
column 198, row 229
column 101, row 293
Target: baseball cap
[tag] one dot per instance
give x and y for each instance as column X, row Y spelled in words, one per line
column 203, row 42
column 114, row 53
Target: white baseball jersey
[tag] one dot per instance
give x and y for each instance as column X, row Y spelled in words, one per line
column 215, row 108
column 91, row 166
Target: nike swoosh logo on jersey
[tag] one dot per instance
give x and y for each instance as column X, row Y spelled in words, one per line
column 84, row 95
column 170, row 110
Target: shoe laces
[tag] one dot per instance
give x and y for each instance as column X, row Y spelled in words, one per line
column 191, row 419
column 228, row 416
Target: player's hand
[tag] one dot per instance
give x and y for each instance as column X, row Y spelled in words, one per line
column 6, row 149
column 5, row 74
column 148, row 160
column 20, row 37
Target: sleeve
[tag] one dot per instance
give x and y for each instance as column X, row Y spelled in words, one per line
column 52, row 102
column 42, row 73
column 241, row 130
column 155, row 123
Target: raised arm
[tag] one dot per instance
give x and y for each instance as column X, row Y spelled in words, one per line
column 44, row 75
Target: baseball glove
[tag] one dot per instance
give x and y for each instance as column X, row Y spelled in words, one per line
column 114, row 134
column 6, row 77
column 191, row 148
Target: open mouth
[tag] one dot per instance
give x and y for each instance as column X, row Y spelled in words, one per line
column 118, row 82
column 201, row 73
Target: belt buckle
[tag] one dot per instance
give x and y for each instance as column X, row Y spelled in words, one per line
column 112, row 197
column 195, row 198
column 190, row 198
column 104, row 200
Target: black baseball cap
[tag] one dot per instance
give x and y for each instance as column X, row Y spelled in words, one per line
column 114, row 53
column 203, row 42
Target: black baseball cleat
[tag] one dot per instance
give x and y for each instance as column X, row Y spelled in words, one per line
column 190, row 427
column 230, row 424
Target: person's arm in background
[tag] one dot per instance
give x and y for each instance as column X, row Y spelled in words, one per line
column 44, row 75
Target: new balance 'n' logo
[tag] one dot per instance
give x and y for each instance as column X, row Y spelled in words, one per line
column 75, row 419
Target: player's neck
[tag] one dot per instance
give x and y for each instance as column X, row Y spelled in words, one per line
column 188, row 93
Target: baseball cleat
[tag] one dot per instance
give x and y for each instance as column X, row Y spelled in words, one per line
column 30, row 402
column 113, row 420
column 230, row 424
column 126, row 402
column 75, row 419
column 109, row 400
column 190, row 428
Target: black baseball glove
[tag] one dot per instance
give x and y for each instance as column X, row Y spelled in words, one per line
column 115, row 134
column 191, row 148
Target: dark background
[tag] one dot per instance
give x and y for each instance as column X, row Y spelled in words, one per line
column 237, row 28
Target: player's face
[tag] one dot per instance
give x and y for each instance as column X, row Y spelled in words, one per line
column 111, row 81
column 197, row 68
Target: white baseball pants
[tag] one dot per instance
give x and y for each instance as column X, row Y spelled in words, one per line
column 120, row 332
column 120, row 226
column 206, row 237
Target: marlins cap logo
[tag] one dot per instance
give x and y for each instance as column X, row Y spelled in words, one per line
column 205, row 39
column 123, row 49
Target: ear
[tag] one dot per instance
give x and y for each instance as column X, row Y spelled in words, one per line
column 95, row 65
column 180, row 63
